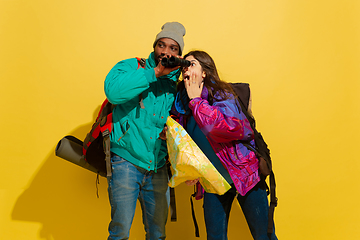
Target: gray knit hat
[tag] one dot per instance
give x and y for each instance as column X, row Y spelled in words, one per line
column 173, row 30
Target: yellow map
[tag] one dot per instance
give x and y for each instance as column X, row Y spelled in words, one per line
column 188, row 162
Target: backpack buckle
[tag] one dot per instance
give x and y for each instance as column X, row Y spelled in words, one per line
column 142, row 62
column 106, row 133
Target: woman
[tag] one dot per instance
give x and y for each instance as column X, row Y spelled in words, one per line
column 207, row 108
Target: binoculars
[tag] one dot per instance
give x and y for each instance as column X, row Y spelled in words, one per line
column 174, row 62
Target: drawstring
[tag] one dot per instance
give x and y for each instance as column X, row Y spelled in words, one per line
column 97, row 182
column 193, row 214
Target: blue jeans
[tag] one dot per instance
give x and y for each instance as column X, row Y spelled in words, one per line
column 129, row 183
column 254, row 206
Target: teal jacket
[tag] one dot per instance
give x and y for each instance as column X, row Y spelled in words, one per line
column 135, row 135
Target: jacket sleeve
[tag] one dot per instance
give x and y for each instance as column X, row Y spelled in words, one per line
column 125, row 81
column 221, row 122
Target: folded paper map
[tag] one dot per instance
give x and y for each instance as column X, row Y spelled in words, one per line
column 188, row 162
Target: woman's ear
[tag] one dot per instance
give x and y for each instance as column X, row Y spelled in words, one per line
column 203, row 74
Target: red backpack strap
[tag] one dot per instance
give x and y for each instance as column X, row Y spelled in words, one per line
column 141, row 62
column 106, row 128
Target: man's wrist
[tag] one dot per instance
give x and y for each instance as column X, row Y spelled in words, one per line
column 157, row 72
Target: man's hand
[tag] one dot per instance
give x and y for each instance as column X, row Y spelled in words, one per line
column 162, row 135
column 160, row 70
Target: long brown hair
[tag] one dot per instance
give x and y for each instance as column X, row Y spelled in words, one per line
column 212, row 81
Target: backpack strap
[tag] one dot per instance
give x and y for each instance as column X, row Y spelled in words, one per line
column 172, row 193
column 172, row 205
column 106, row 144
column 197, row 234
column 106, row 128
column 273, row 202
column 141, row 62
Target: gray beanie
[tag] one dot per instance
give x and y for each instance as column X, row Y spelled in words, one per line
column 173, row 30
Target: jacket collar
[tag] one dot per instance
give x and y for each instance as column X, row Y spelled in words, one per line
column 182, row 101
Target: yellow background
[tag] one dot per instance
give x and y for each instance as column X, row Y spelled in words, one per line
column 300, row 57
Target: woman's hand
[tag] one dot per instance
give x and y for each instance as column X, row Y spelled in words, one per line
column 191, row 182
column 162, row 135
column 194, row 85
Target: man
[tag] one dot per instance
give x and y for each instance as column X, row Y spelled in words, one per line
column 143, row 98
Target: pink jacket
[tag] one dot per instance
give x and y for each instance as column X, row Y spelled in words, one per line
column 225, row 126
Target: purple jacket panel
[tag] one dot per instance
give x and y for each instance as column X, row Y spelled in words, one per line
column 224, row 125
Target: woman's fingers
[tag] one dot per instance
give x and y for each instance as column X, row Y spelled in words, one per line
column 194, row 85
column 191, row 182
